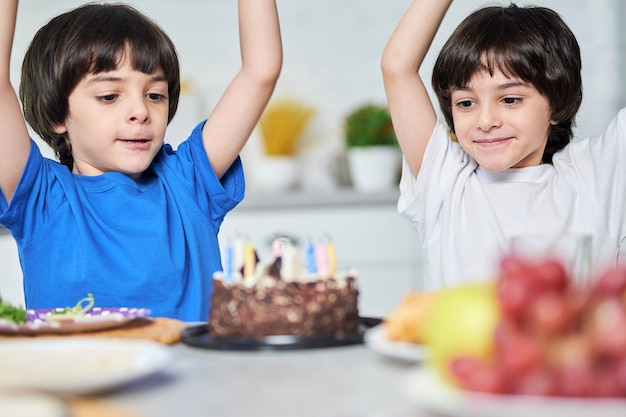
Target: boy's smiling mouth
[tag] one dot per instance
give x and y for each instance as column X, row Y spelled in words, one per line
column 137, row 144
column 490, row 142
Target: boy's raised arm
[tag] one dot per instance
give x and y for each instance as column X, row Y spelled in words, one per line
column 238, row 110
column 14, row 139
column 412, row 112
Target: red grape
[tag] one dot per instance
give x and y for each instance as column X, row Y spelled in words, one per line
column 463, row 367
column 550, row 313
column 513, row 287
column 553, row 338
column 518, row 352
column 573, row 380
column 620, row 374
column 608, row 327
column 611, row 282
column 486, row 377
column 550, row 275
column 605, row 383
column 540, row 381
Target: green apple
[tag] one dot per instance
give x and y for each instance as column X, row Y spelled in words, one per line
column 461, row 323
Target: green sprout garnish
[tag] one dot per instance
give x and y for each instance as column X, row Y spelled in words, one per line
column 12, row 313
column 79, row 308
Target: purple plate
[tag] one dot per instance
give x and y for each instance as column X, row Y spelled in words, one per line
column 98, row 318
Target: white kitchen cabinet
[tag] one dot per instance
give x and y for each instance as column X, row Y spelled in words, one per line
column 368, row 233
column 11, row 288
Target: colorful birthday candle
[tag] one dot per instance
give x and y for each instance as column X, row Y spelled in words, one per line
column 277, row 247
column 310, row 257
column 249, row 260
column 291, row 266
column 238, row 250
column 228, row 263
column 332, row 258
column 322, row 259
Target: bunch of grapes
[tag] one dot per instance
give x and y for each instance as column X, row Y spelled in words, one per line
column 554, row 338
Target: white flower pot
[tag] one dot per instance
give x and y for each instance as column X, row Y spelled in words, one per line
column 275, row 174
column 374, row 168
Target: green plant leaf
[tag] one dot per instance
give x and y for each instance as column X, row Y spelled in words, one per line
column 369, row 125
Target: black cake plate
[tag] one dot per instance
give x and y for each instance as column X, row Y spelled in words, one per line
column 200, row 336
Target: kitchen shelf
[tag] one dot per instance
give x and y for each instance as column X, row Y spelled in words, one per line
column 309, row 199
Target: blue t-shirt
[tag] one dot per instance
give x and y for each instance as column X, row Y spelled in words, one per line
column 150, row 242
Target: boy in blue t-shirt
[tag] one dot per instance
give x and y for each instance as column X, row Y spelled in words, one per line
column 122, row 215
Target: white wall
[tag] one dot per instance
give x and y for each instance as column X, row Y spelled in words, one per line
column 10, row 273
column 333, row 49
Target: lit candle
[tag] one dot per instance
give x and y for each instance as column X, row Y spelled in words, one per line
column 249, row 260
column 332, row 259
column 238, row 254
column 290, row 265
column 310, row 257
column 228, row 263
column 322, row 260
column 277, row 247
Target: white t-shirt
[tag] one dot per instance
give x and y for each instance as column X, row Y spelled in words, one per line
column 466, row 216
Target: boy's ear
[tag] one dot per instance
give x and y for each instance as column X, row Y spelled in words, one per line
column 60, row 129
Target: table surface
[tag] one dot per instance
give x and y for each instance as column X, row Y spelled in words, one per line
column 345, row 381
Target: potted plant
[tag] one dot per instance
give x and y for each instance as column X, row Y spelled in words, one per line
column 281, row 128
column 372, row 148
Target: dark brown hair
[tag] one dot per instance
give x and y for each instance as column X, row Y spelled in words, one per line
column 89, row 39
column 531, row 43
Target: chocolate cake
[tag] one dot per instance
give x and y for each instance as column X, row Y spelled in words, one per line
column 283, row 299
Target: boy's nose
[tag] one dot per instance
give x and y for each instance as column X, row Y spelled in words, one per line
column 138, row 112
column 487, row 118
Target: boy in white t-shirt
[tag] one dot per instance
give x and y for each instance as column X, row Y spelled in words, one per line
column 509, row 86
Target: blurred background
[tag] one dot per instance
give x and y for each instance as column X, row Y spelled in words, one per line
column 332, row 51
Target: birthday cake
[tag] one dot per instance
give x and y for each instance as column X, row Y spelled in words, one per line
column 284, row 297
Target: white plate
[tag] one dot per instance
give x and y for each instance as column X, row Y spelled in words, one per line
column 22, row 404
column 429, row 393
column 98, row 318
column 78, row 365
column 376, row 339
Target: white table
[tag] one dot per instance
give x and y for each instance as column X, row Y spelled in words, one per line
column 347, row 381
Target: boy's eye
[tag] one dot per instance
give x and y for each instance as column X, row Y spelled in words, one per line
column 156, row 96
column 107, row 97
column 511, row 100
column 465, row 104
